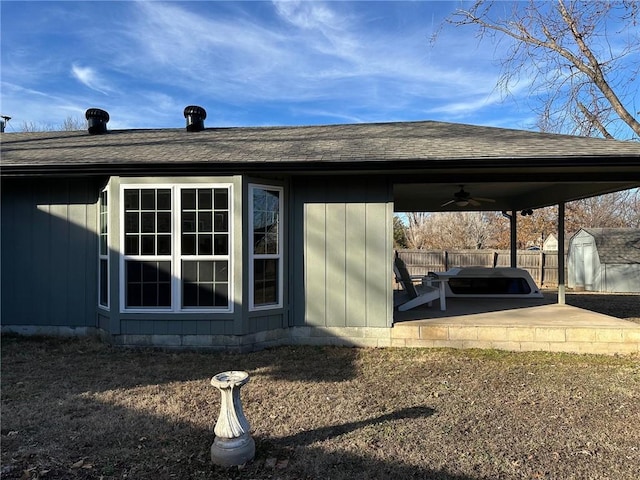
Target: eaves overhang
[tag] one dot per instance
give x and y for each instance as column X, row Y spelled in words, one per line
column 581, row 166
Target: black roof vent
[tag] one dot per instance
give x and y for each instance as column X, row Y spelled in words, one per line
column 97, row 120
column 195, row 118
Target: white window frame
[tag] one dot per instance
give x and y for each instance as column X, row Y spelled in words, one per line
column 104, row 256
column 176, row 256
column 253, row 256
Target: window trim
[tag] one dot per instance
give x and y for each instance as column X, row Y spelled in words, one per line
column 106, row 256
column 253, row 256
column 176, row 257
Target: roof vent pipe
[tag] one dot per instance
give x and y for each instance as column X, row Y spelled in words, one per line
column 195, row 118
column 97, row 121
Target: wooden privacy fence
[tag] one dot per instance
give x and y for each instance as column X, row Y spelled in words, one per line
column 541, row 265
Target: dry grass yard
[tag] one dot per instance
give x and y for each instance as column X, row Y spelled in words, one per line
column 624, row 306
column 79, row 409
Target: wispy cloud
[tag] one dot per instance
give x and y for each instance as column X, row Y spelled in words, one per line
column 89, row 78
column 258, row 62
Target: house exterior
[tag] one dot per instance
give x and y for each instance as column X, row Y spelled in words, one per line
column 605, row 260
column 243, row 238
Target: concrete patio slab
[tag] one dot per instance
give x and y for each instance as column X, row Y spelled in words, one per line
column 516, row 325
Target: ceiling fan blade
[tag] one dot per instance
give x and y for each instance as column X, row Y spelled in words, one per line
column 481, row 199
column 474, row 202
column 447, row 203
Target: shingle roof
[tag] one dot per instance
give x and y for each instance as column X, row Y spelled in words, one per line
column 617, row 245
column 318, row 145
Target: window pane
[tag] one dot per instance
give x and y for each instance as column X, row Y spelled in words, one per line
column 189, row 294
column 104, row 282
column 149, row 294
column 164, row 294
column 259, row 243
column 134, row 295
column 147, row 199
column 205, row 271
column 259, row 203
column 188, row 244
column 131, row 246
column 205, row 295
column 205, row 222
column 148, row 222
column 221, row 199
column 148, row 245
column 221, row 270
column 131, row 199
column 222, row 244
column 131, row 222
column 164, row 272
column 164, row 222
column 188, row 199
column 103, row 220
column 204, row 199
column 103, row 244
column 190, row 272
column 221, row 295
column 188, row 221
column 265, row 286
column 221, row 222
column 103, row 201
column 134, row 271
column 164, row 244
column 271, row 244
column 164, row 199
column 205, row 244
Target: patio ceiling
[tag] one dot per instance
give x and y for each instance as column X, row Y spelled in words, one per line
column 507, row 196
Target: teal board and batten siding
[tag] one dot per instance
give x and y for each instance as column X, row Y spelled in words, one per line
column 342, row 238
column 49, row 252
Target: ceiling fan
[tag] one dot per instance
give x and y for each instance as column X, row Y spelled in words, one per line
column 463, row 198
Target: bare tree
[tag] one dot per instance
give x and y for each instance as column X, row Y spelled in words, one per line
column 69, row 124
column 417, row 234
column 619, row 209
column 474, row 230
column 579, row 57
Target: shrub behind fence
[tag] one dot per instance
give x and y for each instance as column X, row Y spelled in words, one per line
column 541, row 265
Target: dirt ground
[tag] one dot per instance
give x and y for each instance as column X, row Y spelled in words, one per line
column 80, row 409
column 625, row 306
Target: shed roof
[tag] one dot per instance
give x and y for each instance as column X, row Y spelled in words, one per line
column 617, row 245
column 322, row 147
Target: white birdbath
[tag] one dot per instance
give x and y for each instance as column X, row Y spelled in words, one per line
column 232, row 444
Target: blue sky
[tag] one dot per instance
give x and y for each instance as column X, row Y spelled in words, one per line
column 248, row 63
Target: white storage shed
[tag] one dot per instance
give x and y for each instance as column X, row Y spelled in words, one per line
column 605, row 260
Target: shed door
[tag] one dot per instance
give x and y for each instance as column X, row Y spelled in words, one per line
column 584, row 266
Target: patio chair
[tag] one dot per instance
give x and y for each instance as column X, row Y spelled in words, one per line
column 416, row 295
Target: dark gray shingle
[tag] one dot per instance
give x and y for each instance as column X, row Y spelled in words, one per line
column 381, row 142
column 617, row 245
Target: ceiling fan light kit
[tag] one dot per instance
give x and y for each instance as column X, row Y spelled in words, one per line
column 463, row 198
